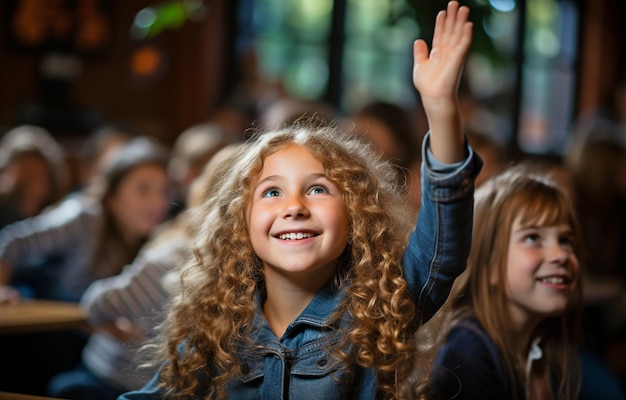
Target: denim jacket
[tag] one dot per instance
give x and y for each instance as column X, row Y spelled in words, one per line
column 298, row 365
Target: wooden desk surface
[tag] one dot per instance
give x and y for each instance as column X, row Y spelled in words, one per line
column 17, row 396
column 40, row 315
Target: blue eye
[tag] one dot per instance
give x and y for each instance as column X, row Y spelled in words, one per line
column 532, row 238
column 272, row 192
column 318, row 189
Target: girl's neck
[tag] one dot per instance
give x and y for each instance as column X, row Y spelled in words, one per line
column 521, row 342
column 287, row 298
column 130, row 241
column 522, row 333
column 282, row 306
column 533, row 366
column 112, row 228
column 288, row 294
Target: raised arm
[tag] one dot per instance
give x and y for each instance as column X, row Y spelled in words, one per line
column 438, row 248
column 436, row 75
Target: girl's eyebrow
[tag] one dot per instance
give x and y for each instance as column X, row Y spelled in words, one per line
column 563, row 229
column 318, row 175
column 525, row 227
column 268, row 179
column 274, row 178
column 568, row 231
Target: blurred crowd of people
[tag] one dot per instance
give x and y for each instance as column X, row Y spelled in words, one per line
column 111, row 231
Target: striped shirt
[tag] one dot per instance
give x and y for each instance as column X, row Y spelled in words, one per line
column 138, row 295
column 55, row 247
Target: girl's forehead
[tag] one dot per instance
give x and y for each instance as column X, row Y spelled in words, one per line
column 291, row 152
column 526, row 218
column 289, row 160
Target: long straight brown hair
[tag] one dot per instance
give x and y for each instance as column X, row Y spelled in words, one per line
column 522, row 192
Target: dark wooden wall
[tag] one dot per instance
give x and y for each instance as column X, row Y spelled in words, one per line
column 190, row 87
column 603, row 52
column 200, row 60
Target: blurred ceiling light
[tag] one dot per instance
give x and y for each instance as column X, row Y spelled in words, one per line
column 546, row 43
column 502, row 5
column 151, row 21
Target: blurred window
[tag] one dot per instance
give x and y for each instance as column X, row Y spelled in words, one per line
column 519, row 75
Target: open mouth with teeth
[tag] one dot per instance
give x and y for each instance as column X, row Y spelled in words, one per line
column 296, row 235
column 555, row 280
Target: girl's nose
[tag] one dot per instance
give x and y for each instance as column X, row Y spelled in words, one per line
column 557, row 254
column 295, row 208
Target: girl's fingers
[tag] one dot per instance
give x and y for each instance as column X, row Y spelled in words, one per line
column 450, row 28
column 450, row 21
column 439, row 26
column 452, row 32
column 462, row 17
column 449, row 24
column 466, row 38
column 420, row 51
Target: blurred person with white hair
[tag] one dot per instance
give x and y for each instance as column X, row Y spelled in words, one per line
column 33, row 172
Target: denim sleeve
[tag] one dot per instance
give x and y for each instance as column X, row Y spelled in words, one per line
column 151, row 391
column 439, row 246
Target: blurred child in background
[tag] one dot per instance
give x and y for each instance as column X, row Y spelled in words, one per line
column 33, row 173
column 512, row 322
column 123, row 310
column 91, row 235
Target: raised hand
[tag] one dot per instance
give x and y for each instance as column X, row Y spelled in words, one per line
column 436, row 74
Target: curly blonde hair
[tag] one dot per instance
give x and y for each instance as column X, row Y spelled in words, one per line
column 214, row 312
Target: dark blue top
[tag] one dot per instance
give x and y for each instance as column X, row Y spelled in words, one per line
column 469, row 367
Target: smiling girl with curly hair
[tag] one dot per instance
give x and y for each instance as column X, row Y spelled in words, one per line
column 307, row 281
